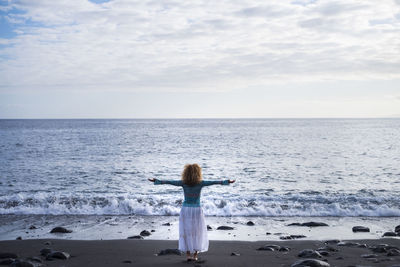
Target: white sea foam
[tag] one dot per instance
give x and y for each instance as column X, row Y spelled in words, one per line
column 216, row 206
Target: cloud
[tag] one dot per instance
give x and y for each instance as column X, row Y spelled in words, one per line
column 196, row 46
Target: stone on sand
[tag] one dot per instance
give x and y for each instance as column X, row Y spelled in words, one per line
column 309, row 253
column 60, row 229
column 309, row 224
column 145, row 233
column 310, row 263
column 357, row 229
column 223, row 227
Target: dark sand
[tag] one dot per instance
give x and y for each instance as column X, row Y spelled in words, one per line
column 143, row 253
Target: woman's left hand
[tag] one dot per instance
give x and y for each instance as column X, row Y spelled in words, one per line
column 231, row 181
column 151, row 179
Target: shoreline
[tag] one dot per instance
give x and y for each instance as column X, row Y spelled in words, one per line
column 97, row 227
column 127, row 252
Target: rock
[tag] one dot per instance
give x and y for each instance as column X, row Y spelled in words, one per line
column 7, row 261
column 225, row 228
column 152, row 230
column 348, row 244
column 22, row 263
column 397, row 229
column 297, row 236
column 5, row 255
column 170, row 251
column 324, row 253
column 127, row 261
column 309, row 224
column 166, row 224
column 286, row 237
column 145, row 233
column 327, row 248
column 362, row 246
column 310, row 263
column 209, row 228
column 58, row 255
column 284, row 249
column 360, row 229
column 393, row 252
column 269, row 247
column 47, row 243
column 18, row 238
column 32, row 227
column 309, row 253
column 369, row 256
column 382, row 248
column 135, row 237
column 389, row 234
column 235, row 254
column 60, row 229
column 332, row 241
column 250, row 223
column 45, row 251
column 267, row 233
column 340, row 258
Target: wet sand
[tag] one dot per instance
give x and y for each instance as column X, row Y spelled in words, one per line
column 129, row 252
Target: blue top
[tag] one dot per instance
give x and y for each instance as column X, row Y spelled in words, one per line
column 192, row 192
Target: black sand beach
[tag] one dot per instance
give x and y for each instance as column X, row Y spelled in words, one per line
column 378, row 252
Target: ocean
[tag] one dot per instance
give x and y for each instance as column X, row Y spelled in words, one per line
column 282, row 167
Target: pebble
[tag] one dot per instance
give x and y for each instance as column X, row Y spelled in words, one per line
column 310, row 263
column 235, row 254
column 60, row 229
column 328, row 248
column 309, row 224
column 309, row 253
column 393, row 252
column 18, row 238
column 225, row 228
column 360, row 229
column 127, row 261
column 58, row 255
column 269, row 247
column 250, row 223
column 209, row 228
column 397, row 229
column 166, row 224
column 145, row 233
column 32, row 227
column 348, row 244
column 332, row 241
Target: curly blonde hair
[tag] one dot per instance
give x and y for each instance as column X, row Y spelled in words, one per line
column 191, row 174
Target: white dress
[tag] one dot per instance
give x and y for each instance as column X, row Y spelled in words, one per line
column 192, row 230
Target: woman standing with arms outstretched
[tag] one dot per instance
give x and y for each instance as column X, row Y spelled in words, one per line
column 192, row 226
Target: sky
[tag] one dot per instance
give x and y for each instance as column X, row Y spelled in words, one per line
column 199, row 59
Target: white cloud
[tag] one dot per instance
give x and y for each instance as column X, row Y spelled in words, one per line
column 197, row 46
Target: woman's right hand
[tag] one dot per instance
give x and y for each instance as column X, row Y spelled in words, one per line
column 231, row 181
column 151, row 180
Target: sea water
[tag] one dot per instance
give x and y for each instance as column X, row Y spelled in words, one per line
column 282, row 167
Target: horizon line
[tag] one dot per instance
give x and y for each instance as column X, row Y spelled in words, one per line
column 199, row 118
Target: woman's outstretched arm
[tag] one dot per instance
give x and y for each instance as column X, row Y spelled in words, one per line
column 223, row 182
column 172, row 182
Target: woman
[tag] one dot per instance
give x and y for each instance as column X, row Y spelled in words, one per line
column 192, row 226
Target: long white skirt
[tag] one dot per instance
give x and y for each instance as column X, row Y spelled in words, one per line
column 192, row 230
